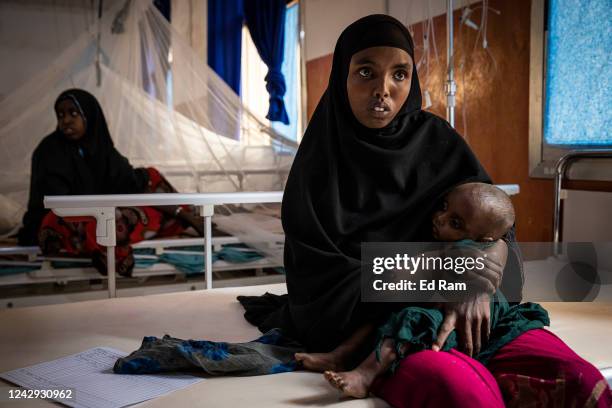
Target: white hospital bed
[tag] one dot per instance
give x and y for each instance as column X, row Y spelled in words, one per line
column 102, row 208
column 36, row 334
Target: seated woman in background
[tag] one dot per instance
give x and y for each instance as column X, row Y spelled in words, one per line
column 79, row 158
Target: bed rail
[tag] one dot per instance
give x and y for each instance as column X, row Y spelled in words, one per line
column 102, row 208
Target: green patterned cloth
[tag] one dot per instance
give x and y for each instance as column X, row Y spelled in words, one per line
column 417, row 327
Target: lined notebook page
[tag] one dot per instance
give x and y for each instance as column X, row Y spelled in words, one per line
column 89, row 374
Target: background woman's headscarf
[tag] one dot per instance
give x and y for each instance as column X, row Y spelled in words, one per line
column 90, row 165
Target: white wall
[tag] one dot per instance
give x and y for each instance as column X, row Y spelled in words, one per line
column 325, row 19
column 34, row 32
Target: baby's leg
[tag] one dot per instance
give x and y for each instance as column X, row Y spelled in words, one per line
column 356, row 383
column 340, row 357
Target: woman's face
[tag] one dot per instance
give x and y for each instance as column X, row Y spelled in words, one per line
column 378, row 84
column 69, row 120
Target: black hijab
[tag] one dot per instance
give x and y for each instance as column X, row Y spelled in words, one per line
column 350, row 184
column 90, row 165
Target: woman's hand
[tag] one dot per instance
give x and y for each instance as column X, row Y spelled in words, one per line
column 471, row 319
column 494, row 258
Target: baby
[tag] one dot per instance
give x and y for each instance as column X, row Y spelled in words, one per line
column 472, row 211
column 476, row 211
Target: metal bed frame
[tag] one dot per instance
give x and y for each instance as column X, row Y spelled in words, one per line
column 562, row 165
column 102, row 208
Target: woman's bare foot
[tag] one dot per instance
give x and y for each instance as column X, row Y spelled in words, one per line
column 321, row 362
column 355, row 383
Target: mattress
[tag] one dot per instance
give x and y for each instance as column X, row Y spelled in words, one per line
column 36, row 334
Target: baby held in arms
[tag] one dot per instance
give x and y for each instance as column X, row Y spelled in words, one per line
column 476, row 211
column 473, row 211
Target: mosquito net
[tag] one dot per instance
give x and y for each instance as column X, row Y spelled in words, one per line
column 164, row 106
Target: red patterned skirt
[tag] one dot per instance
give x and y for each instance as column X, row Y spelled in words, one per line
column 76, row 236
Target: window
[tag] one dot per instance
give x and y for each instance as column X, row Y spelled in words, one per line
column 253, row 86
column 569, row 84
column 578, row 73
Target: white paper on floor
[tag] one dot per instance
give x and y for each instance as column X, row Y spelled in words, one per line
column 90, row 375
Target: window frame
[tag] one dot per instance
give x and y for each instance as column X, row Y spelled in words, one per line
column 542, row 156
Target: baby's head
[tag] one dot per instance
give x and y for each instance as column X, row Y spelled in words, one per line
column 475, row 211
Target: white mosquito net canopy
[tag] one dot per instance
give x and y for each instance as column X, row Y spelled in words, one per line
column 164, row 106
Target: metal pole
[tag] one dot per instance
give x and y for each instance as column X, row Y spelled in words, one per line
column 563, row 163
column 110, row 271
column 207, row 213
column 451, row 86
column 303, row 87
column 98, row 49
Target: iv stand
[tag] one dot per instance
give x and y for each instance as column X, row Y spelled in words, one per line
column 98, row 49
column 451, row 85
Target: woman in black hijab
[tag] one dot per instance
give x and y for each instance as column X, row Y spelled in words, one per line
column 78, row 158
column 370, row 168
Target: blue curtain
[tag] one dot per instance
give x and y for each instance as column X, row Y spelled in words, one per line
column 266, row 22
column 290, row 71
column 225, row 19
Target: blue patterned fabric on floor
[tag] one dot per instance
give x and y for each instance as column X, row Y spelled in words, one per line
column 271, row 353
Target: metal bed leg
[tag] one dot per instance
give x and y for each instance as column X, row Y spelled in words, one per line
column 207, row 213
column 110, row 271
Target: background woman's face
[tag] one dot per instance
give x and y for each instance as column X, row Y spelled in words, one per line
column 69, row 120
column 378, row 84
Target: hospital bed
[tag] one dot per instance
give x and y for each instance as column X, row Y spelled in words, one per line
column 33, row 335
column 268, row 247
column 102, row 208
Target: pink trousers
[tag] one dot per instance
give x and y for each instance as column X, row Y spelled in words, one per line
column 537, row 369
